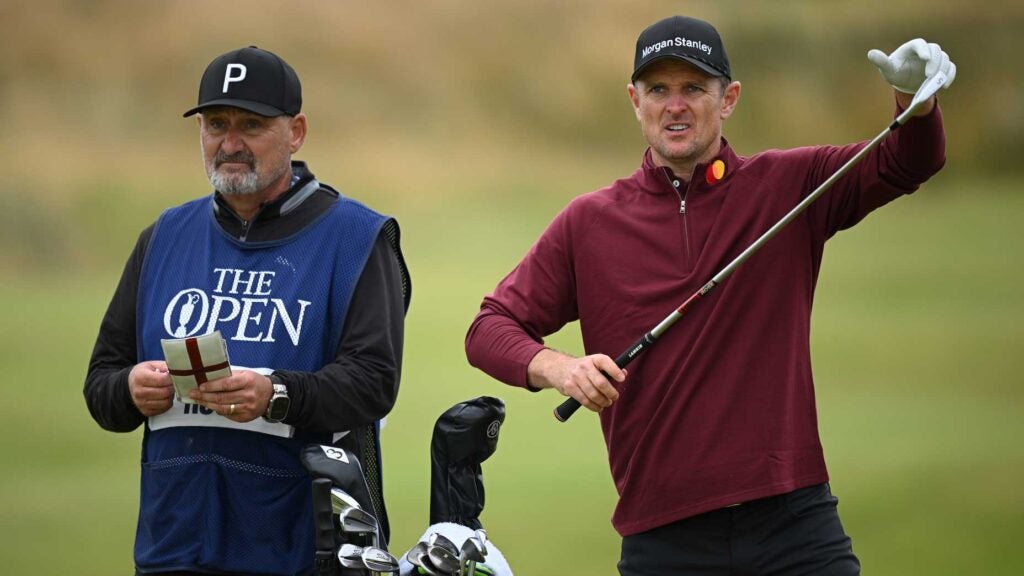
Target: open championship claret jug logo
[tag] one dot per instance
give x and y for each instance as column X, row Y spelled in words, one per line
column 241, row 306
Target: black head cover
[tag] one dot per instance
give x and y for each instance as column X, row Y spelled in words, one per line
column 341, row 467
column 464, row 436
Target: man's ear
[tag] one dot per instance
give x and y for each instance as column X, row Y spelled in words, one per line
column 730, row 99
column 298, row 128
column 634, row 97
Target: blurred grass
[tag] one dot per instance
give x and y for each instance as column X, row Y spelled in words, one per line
column 474, row 124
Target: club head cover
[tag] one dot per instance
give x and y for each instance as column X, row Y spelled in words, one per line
column 341, row 467
column 464, row 436
column 458, row 534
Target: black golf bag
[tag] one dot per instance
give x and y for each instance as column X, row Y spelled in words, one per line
column 464, row 436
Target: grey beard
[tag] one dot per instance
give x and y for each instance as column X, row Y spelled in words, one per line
column 234, row 184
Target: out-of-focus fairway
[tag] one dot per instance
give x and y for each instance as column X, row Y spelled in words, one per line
column 917, row 357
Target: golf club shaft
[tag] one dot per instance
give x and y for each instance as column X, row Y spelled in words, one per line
column 566, row 409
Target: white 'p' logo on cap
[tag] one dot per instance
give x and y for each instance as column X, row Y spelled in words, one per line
column 229, row 78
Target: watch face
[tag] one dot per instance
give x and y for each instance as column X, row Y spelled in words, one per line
column 278, row 408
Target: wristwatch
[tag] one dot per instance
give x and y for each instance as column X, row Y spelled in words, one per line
column 277, row 410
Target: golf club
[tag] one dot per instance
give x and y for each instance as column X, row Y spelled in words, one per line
column 438, row 539
column 928, row 88
column 341, row 500
column 358, row 521
column 443, row 554
column 481, row 535
column 472, row 552
column 378, row 560
column 350, row 556
column 417, row 556
column 371, row 558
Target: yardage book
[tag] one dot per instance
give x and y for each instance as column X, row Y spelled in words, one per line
column 192, row 361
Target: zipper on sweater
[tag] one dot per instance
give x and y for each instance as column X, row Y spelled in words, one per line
column 247, row 224
column 675, row 183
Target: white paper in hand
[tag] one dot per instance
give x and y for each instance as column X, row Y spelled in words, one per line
column 192, row 361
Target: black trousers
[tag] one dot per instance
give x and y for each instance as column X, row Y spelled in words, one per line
column 787, row 535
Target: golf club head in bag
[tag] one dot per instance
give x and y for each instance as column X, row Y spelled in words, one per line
column 417, row 561
column 464, row 436
column 342, row 468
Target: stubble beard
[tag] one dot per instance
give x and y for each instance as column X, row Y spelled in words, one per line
column 241, row 184
column 693, row 152
column 235, row 184
column 676, row 157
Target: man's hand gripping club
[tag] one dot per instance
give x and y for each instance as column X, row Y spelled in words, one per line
column 589, row 379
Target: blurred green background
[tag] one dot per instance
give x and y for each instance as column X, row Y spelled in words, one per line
column 473, row 123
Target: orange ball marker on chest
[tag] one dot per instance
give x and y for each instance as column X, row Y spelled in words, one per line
column 715, row 172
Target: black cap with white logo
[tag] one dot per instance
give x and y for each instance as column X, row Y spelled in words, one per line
column 251, row 79
column 689, row 39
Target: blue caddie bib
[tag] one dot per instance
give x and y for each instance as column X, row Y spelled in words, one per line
column 217, row 495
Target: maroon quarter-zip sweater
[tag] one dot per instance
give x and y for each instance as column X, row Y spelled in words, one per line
column 722, row 409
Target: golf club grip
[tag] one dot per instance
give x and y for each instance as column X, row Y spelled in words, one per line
column 566, row 409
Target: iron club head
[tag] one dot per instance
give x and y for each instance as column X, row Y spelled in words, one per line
column 438, row 539
column 357, row 521
column 443, row 554
column 350, row 556
column 341, row 500
column 481, row 535
column 474, row 549
column 417, row 556
column 377, row 560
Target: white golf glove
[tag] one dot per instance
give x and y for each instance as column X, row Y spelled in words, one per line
column 913, row 63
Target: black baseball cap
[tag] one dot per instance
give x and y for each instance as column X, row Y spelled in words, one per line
column 689, row 39
column 251, row 79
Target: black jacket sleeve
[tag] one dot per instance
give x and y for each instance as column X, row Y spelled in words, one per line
column 115, row 352
column 361, row 385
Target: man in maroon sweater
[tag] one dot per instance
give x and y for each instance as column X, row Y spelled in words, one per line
column 712, row 435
